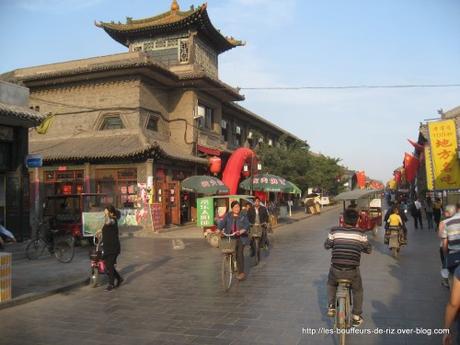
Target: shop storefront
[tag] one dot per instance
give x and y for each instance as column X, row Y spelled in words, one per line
column 63, row 181
column 120, row 185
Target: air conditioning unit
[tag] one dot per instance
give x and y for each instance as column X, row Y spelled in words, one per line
column 270, row 142
column 201, row 111
column 238, row 130
column 250, row 135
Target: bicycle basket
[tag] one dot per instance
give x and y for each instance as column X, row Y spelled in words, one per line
column 227, row 245
column 256, row 231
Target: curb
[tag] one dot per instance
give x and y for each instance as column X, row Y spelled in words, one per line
column 39, row 295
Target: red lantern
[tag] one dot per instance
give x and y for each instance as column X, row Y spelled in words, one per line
column 215, row 164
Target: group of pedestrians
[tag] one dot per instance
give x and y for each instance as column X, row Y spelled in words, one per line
column 433, row 213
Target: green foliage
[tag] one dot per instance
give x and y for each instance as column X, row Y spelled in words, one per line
column 295, row 162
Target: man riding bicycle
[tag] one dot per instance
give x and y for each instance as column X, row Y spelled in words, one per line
column 395, row 222
column 347, row 243
column 258, row 216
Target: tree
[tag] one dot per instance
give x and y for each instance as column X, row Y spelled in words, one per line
column 296, row 163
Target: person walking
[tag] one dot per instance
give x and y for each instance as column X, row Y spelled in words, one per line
column 418, row 212
column 415, row 211
column 429, row 212
column 111, row 245
column 437, row 210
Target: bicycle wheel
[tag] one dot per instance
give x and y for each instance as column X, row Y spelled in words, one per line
column 227, row 272
column 341, row 319
column 35, row 249
column 256, row 250
column 375, row 231
column 64, row 248
column 94, row 278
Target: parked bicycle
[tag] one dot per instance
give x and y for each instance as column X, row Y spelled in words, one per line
column 227, row 244
column 343, row 305
column 51, row 242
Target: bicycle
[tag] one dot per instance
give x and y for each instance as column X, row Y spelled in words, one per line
column 259, row 232
column 343, row 304
column 227, row 244
column 59, row 244
column 256, row 235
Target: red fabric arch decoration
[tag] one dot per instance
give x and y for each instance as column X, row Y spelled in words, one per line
column 232, row 171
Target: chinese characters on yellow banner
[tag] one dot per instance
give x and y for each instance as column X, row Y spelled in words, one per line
column 443, row 168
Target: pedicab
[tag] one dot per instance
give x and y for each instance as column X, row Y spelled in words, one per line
column 80, row 215
column 368, row 203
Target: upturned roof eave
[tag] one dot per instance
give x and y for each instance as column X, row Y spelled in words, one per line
column 123, row 32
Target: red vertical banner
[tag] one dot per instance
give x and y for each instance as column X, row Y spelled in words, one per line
column 397, row 176
column 411, row 166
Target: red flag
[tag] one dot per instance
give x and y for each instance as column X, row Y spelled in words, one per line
column 397, row 176
column 417, row 146
column 411, row 166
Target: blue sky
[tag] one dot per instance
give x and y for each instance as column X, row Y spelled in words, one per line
column 289, row 43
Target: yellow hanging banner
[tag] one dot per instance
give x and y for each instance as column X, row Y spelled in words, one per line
column 43, row 127
column 429, row 168
column 444, row 161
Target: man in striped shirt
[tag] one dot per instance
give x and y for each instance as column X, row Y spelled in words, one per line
column 347, row 243
column 450, row 234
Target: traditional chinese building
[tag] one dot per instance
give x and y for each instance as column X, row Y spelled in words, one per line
column 151, row 116
column 15, row 120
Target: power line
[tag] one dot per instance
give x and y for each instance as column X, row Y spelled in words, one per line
column 341, row 87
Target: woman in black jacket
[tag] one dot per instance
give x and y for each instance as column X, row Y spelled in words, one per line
column 111, row 245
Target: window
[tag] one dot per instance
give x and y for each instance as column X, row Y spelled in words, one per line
column 238, row 135
column 120, row 186
column 224, row 128
column 152, row 124
column 112, row 122
column 6, row 154
column 205, row 117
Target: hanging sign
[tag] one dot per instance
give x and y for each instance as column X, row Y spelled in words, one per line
column 445, row 164
column 205, row 212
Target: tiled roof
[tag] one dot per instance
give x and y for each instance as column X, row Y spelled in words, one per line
column 20, row 112
column 167, row 23
column 109, row 66
column 106, row 147
column 217, row 84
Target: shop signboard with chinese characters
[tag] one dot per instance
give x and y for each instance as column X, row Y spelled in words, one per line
column 205, row 211
column 444, row 167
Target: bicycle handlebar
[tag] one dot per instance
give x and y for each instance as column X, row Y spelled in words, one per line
column 227, row 235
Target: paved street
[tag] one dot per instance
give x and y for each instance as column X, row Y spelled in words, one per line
column 173, row 296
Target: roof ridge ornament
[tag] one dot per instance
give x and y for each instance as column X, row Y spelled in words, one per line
column 175, row 6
